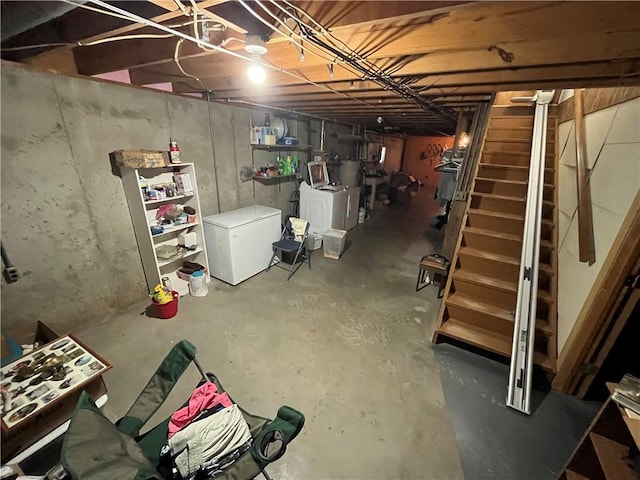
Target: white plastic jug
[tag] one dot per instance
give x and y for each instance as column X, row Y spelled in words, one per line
column 361, row 215
column 198, row 284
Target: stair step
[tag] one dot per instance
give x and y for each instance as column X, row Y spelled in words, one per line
column 517, row 154
column 511, row 167
column 520, row 218
column 495, row 257
column 489, row 213
column 505, row 236
column 467, row 303
column 509, row 243
column 487, row 340
column 511, row 182
column 550, row 126
column 504, row 285
column 509, row 204
column 515, row 140
column 508, row 198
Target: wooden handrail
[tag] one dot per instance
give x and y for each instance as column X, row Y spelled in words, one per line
column 586, row 242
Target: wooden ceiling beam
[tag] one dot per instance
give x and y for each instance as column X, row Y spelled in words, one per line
column 510, row 26
column 598, row 48
column 121, row 57
column 371, row 95
column 484, row 79
column 169, row 5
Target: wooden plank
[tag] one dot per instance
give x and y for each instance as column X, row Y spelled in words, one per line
column 613, row 458
column 484, row 79
column 458, row 244
column 595, row 99
column 617, row 317
column 59, row 60
column 529, row 53
column 621, row 257
column 571, row 475
column 586, row 240
column 158, row 52
column 487, row 340
column 510, row 25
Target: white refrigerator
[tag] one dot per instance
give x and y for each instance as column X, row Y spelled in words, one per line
column 239, row 241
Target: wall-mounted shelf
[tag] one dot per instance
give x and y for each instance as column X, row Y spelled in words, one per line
column 276, row 178
column 281, row 148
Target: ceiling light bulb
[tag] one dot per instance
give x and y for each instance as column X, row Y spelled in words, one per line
column 254, row 45
column 256, row 71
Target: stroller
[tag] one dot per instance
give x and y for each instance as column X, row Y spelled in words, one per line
column 96, row 449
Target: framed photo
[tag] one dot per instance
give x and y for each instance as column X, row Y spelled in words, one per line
column 36, row 380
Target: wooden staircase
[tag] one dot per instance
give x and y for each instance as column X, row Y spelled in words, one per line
column 480, row 296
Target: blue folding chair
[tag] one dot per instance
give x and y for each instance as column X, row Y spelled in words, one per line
column 289, row 244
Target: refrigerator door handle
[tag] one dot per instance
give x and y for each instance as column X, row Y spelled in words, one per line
column 348, row 206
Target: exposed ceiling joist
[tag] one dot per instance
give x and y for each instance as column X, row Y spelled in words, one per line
column 445, row 54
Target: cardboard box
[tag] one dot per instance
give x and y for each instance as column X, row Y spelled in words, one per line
column 141, row 158
column 53, row 414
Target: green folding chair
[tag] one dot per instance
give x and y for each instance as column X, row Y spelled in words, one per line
column 96, row 449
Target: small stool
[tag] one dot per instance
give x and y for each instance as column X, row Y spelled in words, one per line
column 433, row 268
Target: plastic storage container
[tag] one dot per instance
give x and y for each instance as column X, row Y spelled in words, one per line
column 333, row 242
column 314, row 241
column 198, row 284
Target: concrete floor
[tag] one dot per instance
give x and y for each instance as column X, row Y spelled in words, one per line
column 347, row 343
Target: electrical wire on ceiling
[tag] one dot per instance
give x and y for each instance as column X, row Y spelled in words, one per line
column 112, row 10
column 137, row 19
column 299, row 45
column 87, row 44
column 176, row 59
column 363, row 65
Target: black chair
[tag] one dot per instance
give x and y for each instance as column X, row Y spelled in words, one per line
column 290, row 244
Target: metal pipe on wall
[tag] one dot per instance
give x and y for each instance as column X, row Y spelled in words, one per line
column 322, row 134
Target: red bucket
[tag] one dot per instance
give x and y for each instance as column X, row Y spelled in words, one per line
column 169, row 309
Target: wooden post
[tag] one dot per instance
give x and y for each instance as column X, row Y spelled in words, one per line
column 586, row 242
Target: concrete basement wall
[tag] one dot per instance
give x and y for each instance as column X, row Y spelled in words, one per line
column 65, row 220
column 613, row 155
